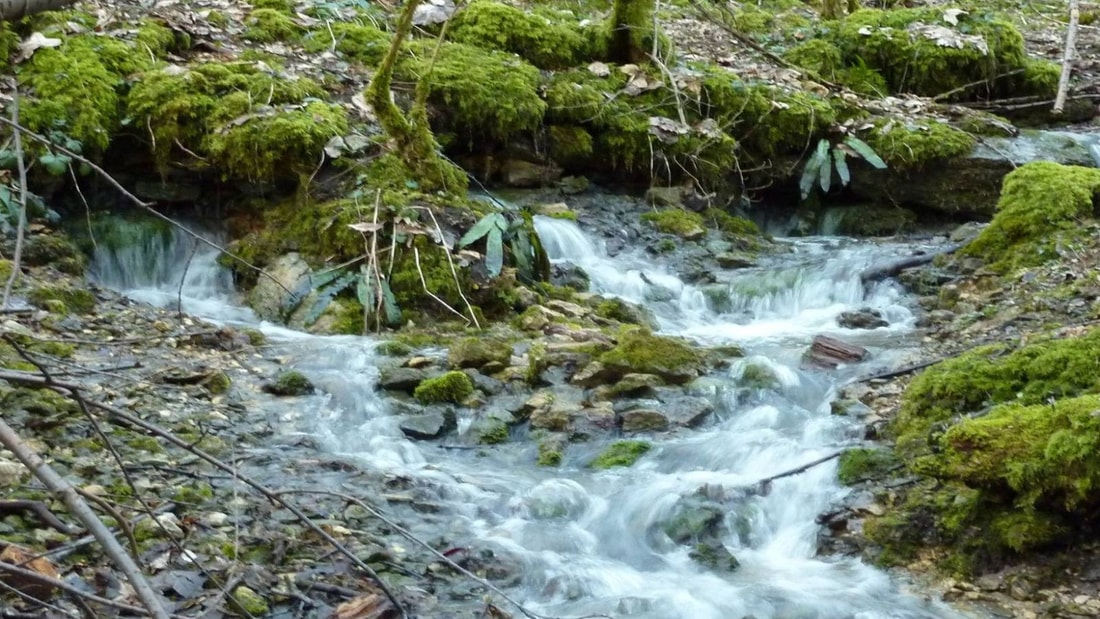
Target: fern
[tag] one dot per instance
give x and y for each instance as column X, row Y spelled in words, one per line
column 827, row 156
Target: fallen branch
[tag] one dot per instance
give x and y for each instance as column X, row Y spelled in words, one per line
column 121, row 416
column 881, row 272
column 80, row 510
column 764, row 485
column 898, row 372
column 1069, row 54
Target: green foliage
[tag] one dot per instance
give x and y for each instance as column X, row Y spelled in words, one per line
column 289, row 383
column 640, row 352
column 570, row 145
column 676, row 221
column 1039, row 202
column 861, row 463
column 248, row 120
column 909, row 145
column 450, row 387
column 282, row 6
column 731, row 224
column 481, row 94
column 363, row 42
column 545, row 40
column 523, row 245
column 819, row 168
column 620, row 453
column 267, row 25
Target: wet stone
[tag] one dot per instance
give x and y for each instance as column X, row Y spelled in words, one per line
column 428, row 426
column 400, row 379
column 865, row 318
column 643, row 420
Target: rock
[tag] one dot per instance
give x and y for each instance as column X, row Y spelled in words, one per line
column 687, row 411
column 665, row 196
column 537, row 318
column 865, row 318
column 695, row 518
column 267, row 298
column 829, row 353
column 636, row 385
column 565, row 403
column 569, row 275
column 401, row 379
column 520, row 173
column 558, row 210
column 11, row 472
column 729, row 260
column 539, row 401
column 570, row 310
column 476, row 352
column 594, row 374
column 572, row 185
column 418, row 362
column 714, row 555
column 428, row 425
column 641, row 352
column 626, row 312
column 289, row 383
column 485, row 384
column 643, row 420
column 453, row 387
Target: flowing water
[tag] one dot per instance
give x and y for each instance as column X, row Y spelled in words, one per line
column 593, row 542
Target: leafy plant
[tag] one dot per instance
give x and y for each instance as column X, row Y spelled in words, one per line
column 522, row 245
column 827, row 156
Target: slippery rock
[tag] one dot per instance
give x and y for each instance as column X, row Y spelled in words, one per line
column 865, row 318
column 643, row 420
column 428, row 425
column 401, row 378
column 829, row 353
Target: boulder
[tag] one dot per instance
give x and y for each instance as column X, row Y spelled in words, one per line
column 643, row 420
column 865, row 318
column 429, row 425
column 476, row 352
column 400, row 378
column 686, row 410
column 267, row 298
column 641, row 352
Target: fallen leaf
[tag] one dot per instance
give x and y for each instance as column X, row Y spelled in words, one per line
column 23, row 557
column 599, row 69
column 370, row 606
column 31, row 44
column 951, row 16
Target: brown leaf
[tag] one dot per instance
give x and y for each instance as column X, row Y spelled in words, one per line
column 370, row 606
column 24, row 558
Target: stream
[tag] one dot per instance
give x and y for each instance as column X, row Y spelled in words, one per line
column 592, row 542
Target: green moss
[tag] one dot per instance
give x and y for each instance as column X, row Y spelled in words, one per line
column 191, row 109
column 40, row 402
column 731, row 224
column 9, row 42
column 270, row 25
column 360, row 41
column 905, row 144
column 860, row 463
column 290, row 382
column 248, row 603
column 155, row 38
column 195, row 493
column 450, row 387
column 621, row 453
column 273, row 143
column 217, row 18
column 76, row 299
column 76, row 88
column 217, row 383
column 570, row 145
column 255, row 337
column 676, row 221
column 903, row 47
column 147, row 444
column 477, row 352
column 393, row 348
column 541, row 38
column 282, row 6
column 758, row 376
column 1039, row 202
column 549, row 453
column 640, row 352
column 495, row 435
column 480, row 94
column 992, row 375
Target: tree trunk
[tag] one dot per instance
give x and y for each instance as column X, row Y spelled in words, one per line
column 11, row 10
column 631, row 25
column 411, row 133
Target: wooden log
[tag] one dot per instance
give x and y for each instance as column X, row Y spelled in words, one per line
column 828, row 353
column 890, row 269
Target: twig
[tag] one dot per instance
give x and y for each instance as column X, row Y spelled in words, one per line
column 424, row 283
column 22, row 167
column 451, row 263
column 138, row 202
column 955, row 91
column 66, row 587
column 764, row 483
column 119, row 415
column 80, row 510
column 1069, row 54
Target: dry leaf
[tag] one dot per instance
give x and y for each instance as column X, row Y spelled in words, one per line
column 951, row 16
column 370, row 606
column 23, row 557
column 31, row 44
column 366, row 227
column 599, row 69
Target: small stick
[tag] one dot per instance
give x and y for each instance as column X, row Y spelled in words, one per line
column 1069, row 54
column 22, row 167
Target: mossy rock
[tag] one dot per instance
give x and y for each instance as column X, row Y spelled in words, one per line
column 986, row 56
column 477, row 352
column 77, row 300
column 621, row 453
column 640, row 352
column 1041, row 205
column 451, row 387
column 908, row 145
column 290, row 383
column 197, row 109
column 56, row 250
column 861, row 463
column 268, row 25
column 360, row 41
column 758, row 376
column 247, row 603
column 685, row 224
column 495, row 434
column 544, row 39
column 479, row 94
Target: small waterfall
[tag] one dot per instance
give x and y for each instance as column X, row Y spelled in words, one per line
column 598, row 542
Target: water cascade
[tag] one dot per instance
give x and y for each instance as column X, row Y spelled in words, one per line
column 599, row 541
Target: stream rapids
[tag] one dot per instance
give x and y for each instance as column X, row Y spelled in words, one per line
column 591, row 542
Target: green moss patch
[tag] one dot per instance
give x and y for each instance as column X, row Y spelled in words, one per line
column 450, row 387
column 1040, row 204
column 543, row 39
column 620, row 453
column 906, row 144
column 74, row 299
column 676, row 221
column 360, row 41
column 860, row 463
column 290, row 383
column 640, row 352
column 268, row 25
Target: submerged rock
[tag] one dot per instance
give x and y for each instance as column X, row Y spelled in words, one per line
column 865, row 318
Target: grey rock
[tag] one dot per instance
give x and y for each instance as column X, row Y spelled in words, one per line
column 401, row 379
column 865, row 318
column 569, row 276
column 687, row 411
column 731, row 260
column 643, row 420
column 427, row 426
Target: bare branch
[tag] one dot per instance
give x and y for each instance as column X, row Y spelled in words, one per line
column 22, row 167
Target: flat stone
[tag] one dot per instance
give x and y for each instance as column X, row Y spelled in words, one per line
column 687, row 411
column 643, row 420
column 571, row 310
column 427, row 425
column 401, row 379
column 731, row 260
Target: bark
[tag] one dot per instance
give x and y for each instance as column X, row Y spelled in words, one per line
column 1069, row 53
column 11, row 10
column 827, row 352
column 411, row 133
column 631, row 25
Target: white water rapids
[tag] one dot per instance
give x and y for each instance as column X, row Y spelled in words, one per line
column 592, row 542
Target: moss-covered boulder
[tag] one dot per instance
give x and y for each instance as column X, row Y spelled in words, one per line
column 541, row 37
column 640, row 352
column 621, row 453
column 906, row 144
column 478, row 352
column 1041, row 205
column 918, row 51
column 453, row 387
column 62, row 297
column 290, row 383
column 685, row 224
